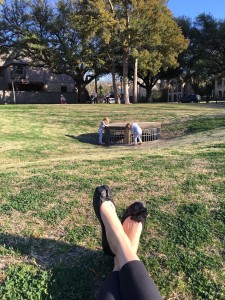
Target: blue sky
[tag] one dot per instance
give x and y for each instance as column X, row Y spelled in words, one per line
column 192, row 8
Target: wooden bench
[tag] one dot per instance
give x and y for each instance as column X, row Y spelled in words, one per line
column 117, row 133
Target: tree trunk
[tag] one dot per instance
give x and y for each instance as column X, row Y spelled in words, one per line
column 114, row 78
column 135, row 96
column 149, row 94
column 14, row 93
column 83, row 95
column 125, row 77
column 96, row 86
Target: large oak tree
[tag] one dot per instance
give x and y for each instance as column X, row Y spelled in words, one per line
column 146, row 31
column 59, row 37
column 204, row 59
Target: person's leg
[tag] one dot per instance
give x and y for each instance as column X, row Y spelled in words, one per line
column 117, row 238
column 123, row 242
column 135, row 282
column 140, row 139
column 135, row 138
column 111, row 288
column 100, row 137
column 133, row 231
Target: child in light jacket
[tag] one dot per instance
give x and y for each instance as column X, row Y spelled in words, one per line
column 136, row 130
column 101, row 128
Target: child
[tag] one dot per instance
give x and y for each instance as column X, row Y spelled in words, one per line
column 102, row 125
column 136, row 130
column 62, row 99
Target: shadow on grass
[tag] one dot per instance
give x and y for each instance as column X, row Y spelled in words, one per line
column 192, row 126
column 92, row 138
column 73, row 272
column 88, row 138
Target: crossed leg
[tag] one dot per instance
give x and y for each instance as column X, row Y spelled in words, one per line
column 118, row 240
column 129, row 279
column 129, row 233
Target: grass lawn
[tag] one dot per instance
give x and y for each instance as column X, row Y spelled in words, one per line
column 50, row 164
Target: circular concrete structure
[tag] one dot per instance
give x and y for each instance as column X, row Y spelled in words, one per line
column 117, row 133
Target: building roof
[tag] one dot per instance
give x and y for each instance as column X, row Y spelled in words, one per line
column 12, row 59
column 7, row 62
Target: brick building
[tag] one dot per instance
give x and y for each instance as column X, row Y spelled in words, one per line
column 22, row 83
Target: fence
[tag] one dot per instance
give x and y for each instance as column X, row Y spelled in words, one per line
column 119, row 134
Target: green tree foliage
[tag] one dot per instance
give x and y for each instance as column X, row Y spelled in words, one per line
column 204, row 59
column 57, row 37
column 159, row 43
column 209, row 44
column 147, row 32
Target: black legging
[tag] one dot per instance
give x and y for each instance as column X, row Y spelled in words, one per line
column 132, row 282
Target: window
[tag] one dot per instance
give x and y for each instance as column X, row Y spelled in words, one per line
column 63, row 89
column 219, row 83
column 17, row 71
column 219, row 95
column 2, row 73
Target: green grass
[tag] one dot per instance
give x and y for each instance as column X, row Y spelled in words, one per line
column 50, row 239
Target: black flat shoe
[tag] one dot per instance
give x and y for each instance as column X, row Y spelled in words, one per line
column 137, row 212
column 102, row 193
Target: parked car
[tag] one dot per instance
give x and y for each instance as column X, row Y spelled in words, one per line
column 110, row 100
column 191, row 99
